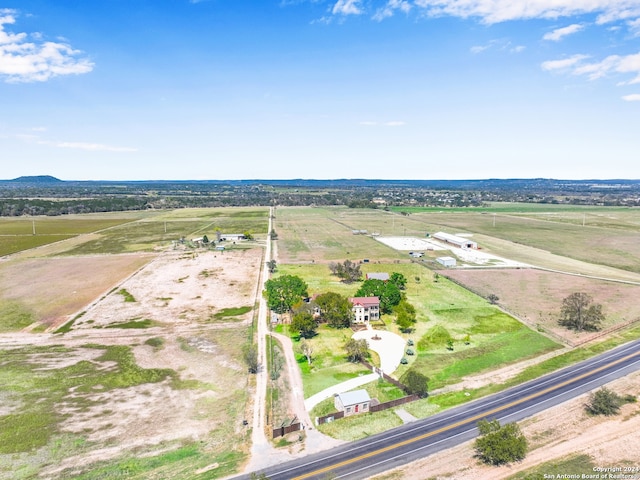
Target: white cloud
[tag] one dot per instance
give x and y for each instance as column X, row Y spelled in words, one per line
column 613, row 64
column 479, row 48
column 346, row 7
column 389, row 9
column 25, row 61
column 499, row 44
column 495, row 11
column 565, row 63
column 557, row 34
column 634, row 97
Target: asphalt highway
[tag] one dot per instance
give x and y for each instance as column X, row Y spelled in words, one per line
column 416, row 440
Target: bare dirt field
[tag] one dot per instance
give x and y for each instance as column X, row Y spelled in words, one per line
column 554, row 434
column 55, row 289
column 181, row 292
column 183, row 288
column 536, row 295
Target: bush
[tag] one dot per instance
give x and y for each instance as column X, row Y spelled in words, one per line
column 604, row 402
column 498, row 444
column 155, row 342
column 415, row 383
column 435, row 336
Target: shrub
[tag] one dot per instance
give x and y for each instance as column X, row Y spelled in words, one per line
column 604, row 402
column 154, row 342
column 415, row 383
column 498, row 444
column 435, row 336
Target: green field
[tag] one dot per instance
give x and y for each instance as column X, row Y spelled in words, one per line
column 309, row 234
column 167, row 227
column 129, row 231
column 599, row 235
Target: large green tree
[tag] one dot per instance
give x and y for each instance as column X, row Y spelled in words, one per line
column 334, row 309
column 304, row 324
column 388, row 293
column 580, row 313
column 399, row 279
column 283, row 292
column 405, row 315
column 498, row 444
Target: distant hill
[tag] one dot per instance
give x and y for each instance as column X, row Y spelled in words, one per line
column 37, row 179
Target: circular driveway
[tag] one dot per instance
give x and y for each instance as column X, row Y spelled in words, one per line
column 390, row 347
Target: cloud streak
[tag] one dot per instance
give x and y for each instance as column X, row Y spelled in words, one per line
column 611, row 65
column 26, row 61
column 559, row 33
column 496, row 11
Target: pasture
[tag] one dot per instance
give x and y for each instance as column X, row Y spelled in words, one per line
column 17, row 234
column 602, row 236
column 536, row 296
column 308, row 235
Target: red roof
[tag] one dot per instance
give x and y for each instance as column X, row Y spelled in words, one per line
column 365, row 301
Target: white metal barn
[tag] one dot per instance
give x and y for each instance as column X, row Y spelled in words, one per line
column 455, row 240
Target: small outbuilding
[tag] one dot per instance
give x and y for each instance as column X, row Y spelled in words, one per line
column 446, row 261
column 352, row 403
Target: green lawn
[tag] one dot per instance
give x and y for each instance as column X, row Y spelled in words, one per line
column 495, row 338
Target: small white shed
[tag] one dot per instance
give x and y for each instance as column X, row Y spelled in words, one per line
column 446, row 261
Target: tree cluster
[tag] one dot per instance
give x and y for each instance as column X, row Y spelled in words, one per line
column 334, row 309
column 388, row 293
column 347, row 271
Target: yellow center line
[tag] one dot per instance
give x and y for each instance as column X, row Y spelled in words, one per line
column 463, row 422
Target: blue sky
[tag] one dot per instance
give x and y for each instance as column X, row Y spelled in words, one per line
column 240, row 89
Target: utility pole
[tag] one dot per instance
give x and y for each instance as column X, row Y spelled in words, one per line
column 34, row 226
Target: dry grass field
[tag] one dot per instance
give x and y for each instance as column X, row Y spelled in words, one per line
column 146, row 377
column 325, row 234
column 55, row 289
column 536, row 296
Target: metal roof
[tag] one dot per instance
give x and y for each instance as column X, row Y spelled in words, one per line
column 352, row 398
